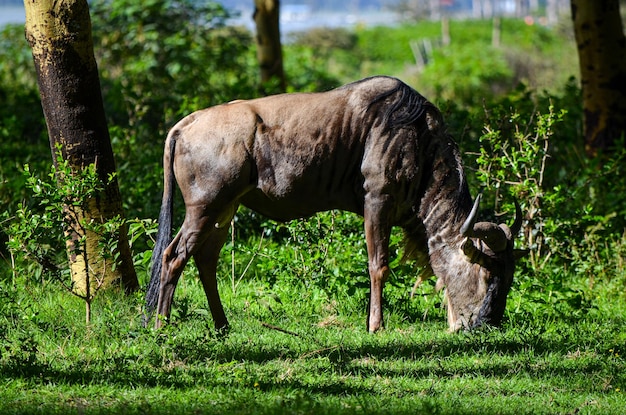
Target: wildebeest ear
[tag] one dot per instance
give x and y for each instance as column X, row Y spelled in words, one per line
column 475, row 255
column 520, row 253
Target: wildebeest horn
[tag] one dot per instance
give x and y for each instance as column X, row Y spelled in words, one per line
column 517, row 224
column 468, row 225
column 488, row 232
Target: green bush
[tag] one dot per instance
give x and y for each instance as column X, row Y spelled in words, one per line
column 466, row 73
column 575, row 236
column 22, row 127
column 21, row 117
column 157, row 55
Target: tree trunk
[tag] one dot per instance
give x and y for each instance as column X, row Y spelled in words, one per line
column 601, row 51
column 482, row 9
column 552, row 12
column 269, row 50
column 496, row 31
column 445, row 30
column 59, row 33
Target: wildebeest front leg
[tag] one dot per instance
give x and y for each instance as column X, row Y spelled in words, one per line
column 206, row 260
column 377, row 232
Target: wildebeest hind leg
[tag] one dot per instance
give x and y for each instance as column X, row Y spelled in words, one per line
column 190, row 237
column 206, row 260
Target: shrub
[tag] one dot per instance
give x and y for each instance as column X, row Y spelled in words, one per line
column 46, row 233
column 574, row 207
column 466, row 73
column 21, row 117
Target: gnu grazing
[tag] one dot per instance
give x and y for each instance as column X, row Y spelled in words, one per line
column 374, row 147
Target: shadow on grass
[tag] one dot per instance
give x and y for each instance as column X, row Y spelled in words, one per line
column 189, row 359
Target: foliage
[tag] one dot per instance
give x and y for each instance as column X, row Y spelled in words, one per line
column 568, row 229
column 169, row 51
column 22, row 126
column 34, row 232
column 467, row 73
column 304, row 74
column 515, row 156
column 20, row 115
column 317, row 50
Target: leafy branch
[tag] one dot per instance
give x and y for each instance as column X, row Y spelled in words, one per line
column 514, row 154
column 57, row 222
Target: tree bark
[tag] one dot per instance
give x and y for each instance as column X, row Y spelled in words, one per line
column 269, row 50
column 602, row 58
column 59, row 33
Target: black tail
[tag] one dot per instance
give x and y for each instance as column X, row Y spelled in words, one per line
column 164, row 235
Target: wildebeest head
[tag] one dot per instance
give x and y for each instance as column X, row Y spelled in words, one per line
column 477, row 288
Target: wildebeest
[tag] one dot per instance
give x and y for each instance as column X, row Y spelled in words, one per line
column 375, row 147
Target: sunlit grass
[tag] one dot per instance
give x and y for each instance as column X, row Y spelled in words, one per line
column 280, row 359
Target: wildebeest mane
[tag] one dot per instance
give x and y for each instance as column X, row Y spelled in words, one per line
column 405, row 106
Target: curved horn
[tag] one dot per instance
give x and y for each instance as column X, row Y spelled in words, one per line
column 489, row 233
column 517, row 223
column 468, row 226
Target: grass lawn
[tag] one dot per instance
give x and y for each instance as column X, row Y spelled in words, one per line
column 282, row 357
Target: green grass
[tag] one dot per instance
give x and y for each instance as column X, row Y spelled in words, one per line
column 323, row 361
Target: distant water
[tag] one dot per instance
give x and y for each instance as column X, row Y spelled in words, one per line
column 12, row 14
column 289, row 23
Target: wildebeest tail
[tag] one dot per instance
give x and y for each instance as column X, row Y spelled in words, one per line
column 164, row 235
